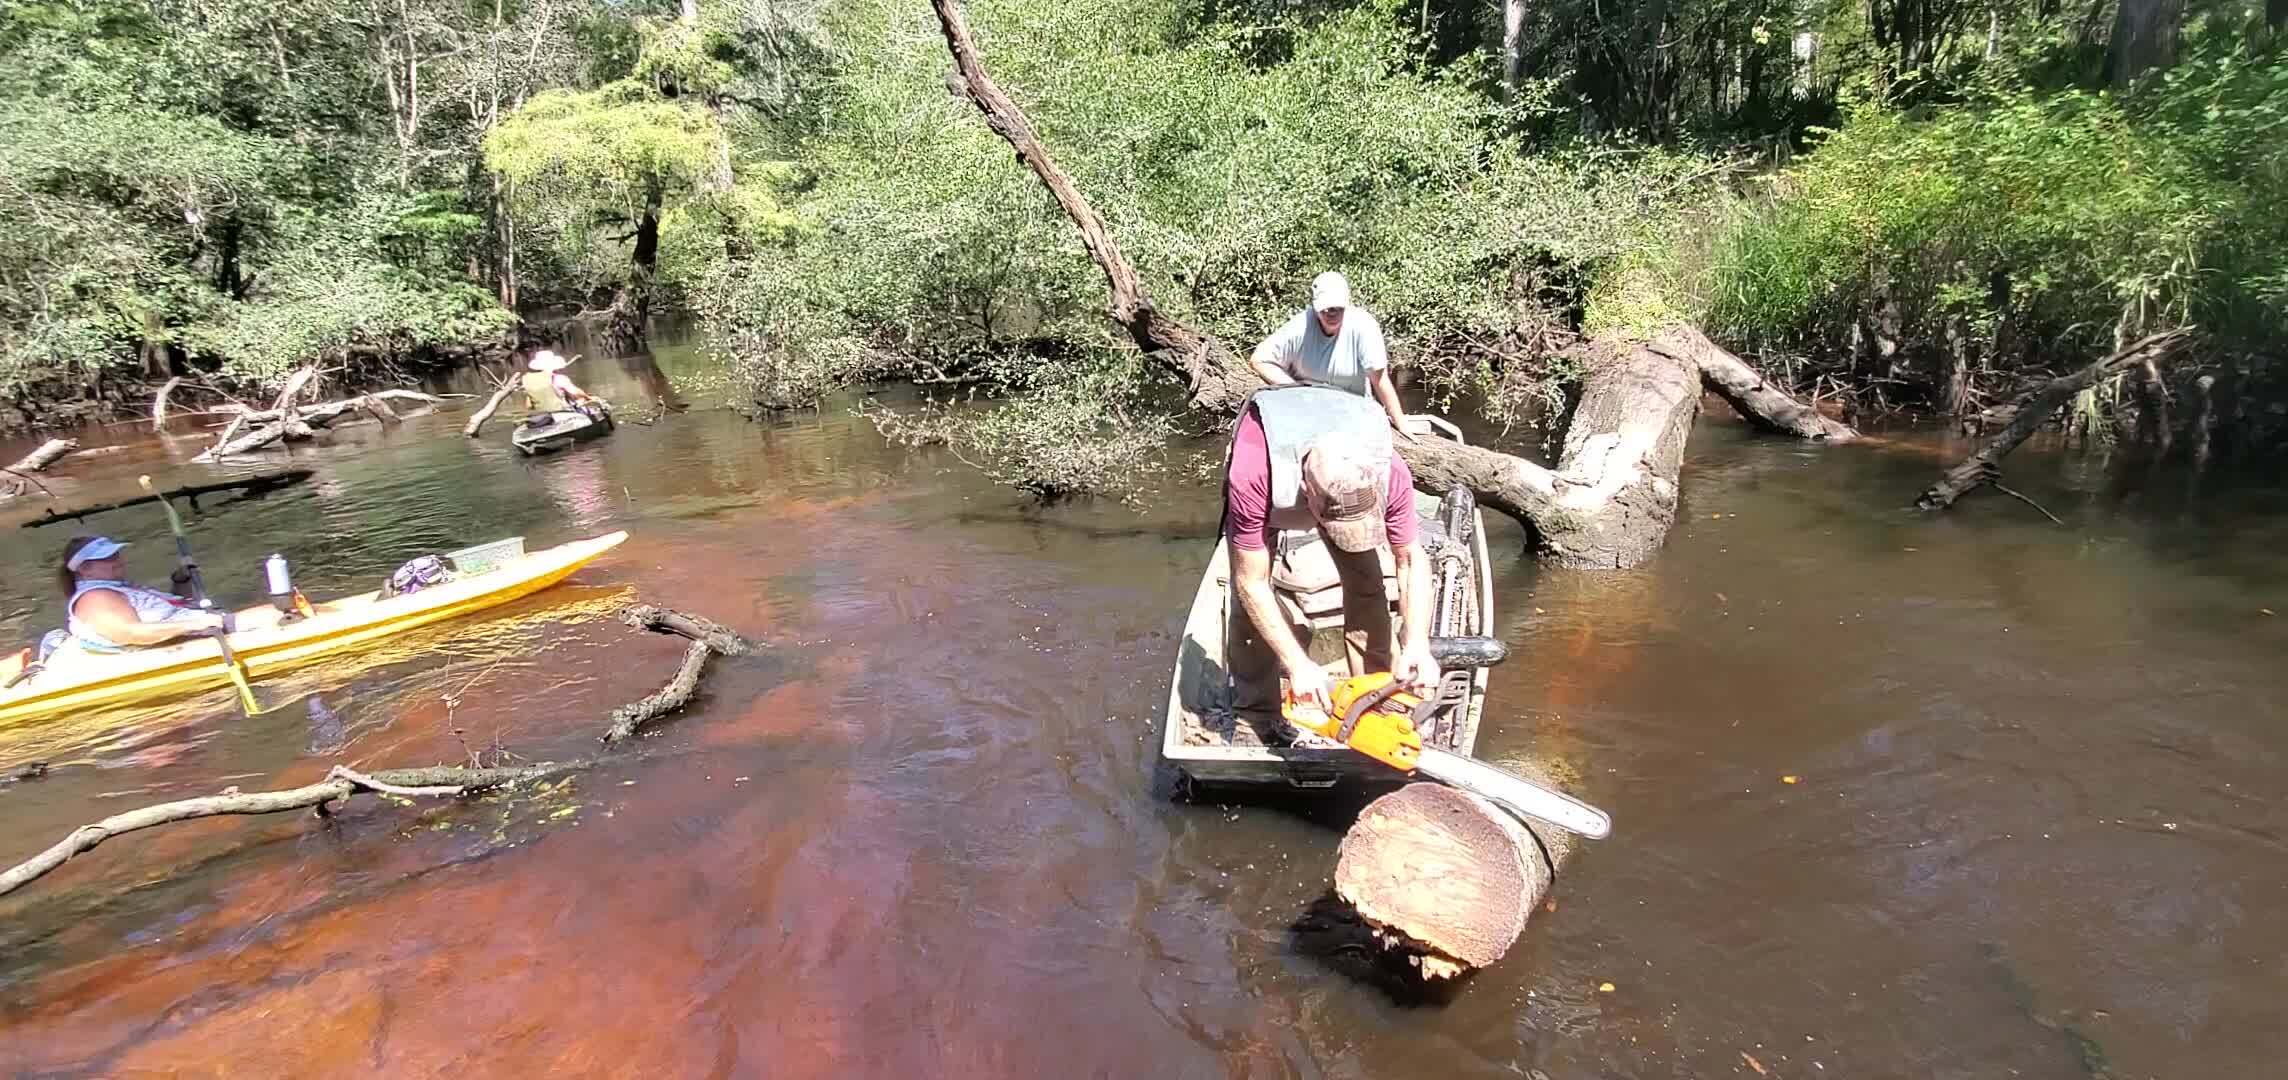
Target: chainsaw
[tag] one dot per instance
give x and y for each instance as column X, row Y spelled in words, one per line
column 1375, row 717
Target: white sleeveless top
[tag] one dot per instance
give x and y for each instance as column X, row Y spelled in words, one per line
column 150, row 605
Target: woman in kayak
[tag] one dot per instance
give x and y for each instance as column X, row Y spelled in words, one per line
column 107, row 613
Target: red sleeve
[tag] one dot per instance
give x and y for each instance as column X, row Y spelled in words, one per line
column 1398, row 520
column 1247, row 487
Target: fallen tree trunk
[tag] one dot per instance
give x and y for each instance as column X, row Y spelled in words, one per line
column 2032, row 410
column 1745, row 389
column 47, row 454
column 1445, row 878
column 1612, row 498
column 249, row 487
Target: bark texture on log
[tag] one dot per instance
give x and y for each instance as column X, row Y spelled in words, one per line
column 628, row 719
column 1623, row 449
column 2204, row 417
column 1744, row 388
column 698, row 628
column 1444, row 870
column 2032, row 410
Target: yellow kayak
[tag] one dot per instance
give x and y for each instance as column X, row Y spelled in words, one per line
column 75, row 678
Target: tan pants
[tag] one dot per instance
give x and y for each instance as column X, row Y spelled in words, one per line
column 1254, row 666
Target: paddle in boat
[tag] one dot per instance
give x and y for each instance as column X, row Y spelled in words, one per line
column 1391, row 738
column 481, row 577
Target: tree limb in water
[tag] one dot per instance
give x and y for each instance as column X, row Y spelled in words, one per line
column 443, row 781
column 248, row 487
column 337, row 786
column 2033, row 409
column 1745, row 389
column 39, row 459
column 477, row 422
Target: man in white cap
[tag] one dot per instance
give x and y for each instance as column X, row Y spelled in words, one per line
column 1318, row 458
column 1332, row 344
column 105, row 612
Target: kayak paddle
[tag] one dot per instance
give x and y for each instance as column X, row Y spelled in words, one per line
column 230, row 660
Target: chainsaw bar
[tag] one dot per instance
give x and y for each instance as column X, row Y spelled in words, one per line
column 1514, row 793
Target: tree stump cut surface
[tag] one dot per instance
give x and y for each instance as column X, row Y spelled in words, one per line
column 1444, row 868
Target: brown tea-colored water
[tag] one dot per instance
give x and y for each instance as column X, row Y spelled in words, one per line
column 2034, row 829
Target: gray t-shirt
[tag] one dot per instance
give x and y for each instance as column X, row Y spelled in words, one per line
column 1343, row 360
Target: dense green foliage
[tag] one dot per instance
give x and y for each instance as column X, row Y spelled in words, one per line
column 2023, row 226
column 194, row 187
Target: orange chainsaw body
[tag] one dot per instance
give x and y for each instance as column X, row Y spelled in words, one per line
column 1384, row 732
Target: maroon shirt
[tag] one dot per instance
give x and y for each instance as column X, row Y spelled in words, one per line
column 1247, row 493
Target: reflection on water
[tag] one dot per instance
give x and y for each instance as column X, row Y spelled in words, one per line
column 2032, row 831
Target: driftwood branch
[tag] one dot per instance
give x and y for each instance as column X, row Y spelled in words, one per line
column 492, row 405
column 443, row 781
column 707, row 638
column 46, row 455
column 338, row 785
column 2033, row 409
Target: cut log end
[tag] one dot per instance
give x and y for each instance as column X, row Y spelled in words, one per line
column 1442, row 874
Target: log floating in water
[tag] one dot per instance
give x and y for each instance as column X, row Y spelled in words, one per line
column 1446, row 878
column 19, row 475
column 248, row 487
column 2032, row 410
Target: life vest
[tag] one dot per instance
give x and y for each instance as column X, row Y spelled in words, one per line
column 150, row 605
column 540, row 392
column 1296, row 418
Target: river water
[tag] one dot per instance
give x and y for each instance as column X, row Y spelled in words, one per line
column 2033, row 828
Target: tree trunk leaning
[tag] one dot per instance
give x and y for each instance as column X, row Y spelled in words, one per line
column 2032, row 410
column 1611, row 511
column 1443, row 876
column 477, row 422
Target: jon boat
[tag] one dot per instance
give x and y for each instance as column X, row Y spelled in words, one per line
column 1208, row 744
column 546, row 433
column 75, row 678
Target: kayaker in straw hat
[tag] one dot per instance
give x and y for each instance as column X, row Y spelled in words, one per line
column 105, row 612
column 547, row 389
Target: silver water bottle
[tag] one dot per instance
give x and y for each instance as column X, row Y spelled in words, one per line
column 281, row 586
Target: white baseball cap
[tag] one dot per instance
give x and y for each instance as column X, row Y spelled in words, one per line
column 1330, row 290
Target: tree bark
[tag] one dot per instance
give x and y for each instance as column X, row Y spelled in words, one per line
column 2204, row 418
column 1512, row 46
column 2144, row 38
column 631, row 307
column 2152, row 409
column 1745, row 389
column 2031, row 411
column 1442, row 875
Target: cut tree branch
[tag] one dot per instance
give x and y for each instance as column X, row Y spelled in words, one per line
column 2033, row 409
